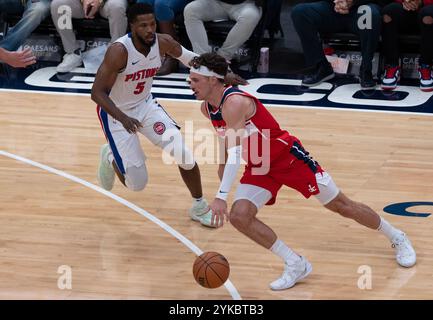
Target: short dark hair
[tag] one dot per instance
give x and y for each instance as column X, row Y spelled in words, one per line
column 212, row 61
column 138, row 9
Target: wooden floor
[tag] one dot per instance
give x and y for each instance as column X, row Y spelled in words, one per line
column 47, row 221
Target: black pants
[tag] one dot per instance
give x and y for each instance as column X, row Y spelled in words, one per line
column 406, row 20
column 310, row 19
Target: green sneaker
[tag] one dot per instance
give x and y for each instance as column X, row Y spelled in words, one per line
column 201, row 212
column 105, row 170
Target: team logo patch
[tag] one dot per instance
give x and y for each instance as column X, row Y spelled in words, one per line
column 159, row 128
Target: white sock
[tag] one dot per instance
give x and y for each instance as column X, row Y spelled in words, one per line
column 388, row 230
column 284, row 252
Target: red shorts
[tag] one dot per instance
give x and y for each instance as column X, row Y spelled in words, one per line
column 291, row 166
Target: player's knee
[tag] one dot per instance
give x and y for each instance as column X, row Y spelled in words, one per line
column 184, row 158
column 136, row 178
column 136, row 184
column 240, row 217
column 187, row 166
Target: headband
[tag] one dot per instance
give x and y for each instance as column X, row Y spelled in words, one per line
column 204, row 71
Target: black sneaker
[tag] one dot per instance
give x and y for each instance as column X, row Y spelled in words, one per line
column 321, row 73
column 366, row 80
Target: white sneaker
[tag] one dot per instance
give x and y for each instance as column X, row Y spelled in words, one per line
column 200, row 212
column 70, row 62
column 105, row 170
column 404, row 252
column 292, row 274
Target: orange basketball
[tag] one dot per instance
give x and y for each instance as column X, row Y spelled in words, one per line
column 211, row 270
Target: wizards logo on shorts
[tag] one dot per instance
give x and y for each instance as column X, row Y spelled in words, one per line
column 159, row 128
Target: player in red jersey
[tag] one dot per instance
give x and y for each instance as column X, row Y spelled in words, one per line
column 274, row 158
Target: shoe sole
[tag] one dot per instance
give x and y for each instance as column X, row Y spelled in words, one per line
column 80, row 65
column 331, row 76
column 388, row 88
column 208, row 226
column 369, row 88
column 426, row 89
column 197, row 219
column 194, row 218
column 407, row 266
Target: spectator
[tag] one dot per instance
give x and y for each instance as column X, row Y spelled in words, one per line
column 17, row 59
column 113, row 10
column 245, row 12
column 336, row 16
column 398, row 16
column 33, row 13
column 165, row 11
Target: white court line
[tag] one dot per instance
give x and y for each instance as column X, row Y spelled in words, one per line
column 229, row 286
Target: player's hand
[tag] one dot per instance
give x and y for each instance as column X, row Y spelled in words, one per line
column 219, row 210
column 234, row 79
column 130, row 124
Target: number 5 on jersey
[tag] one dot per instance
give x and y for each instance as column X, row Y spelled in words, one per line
column 140, row 87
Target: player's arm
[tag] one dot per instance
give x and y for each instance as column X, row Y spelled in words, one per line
column 115, row 60
column 222, row 166
column 221, row 144
column 234, row 113
column 167, row 45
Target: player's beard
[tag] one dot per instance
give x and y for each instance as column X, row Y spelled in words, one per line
column 146, row 43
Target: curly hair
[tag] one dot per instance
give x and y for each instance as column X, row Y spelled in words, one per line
column 212, row 61
column 138, row 9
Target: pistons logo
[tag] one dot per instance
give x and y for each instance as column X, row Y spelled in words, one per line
column 159, row 128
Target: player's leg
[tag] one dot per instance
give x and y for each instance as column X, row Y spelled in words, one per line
column 122, row 155
column 132, row 176
column 243, row 216
column 333, row 199
column 163, row 131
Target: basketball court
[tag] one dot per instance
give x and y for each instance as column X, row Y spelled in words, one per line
column 126, row 245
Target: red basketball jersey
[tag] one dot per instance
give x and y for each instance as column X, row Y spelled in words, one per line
column 264, row 135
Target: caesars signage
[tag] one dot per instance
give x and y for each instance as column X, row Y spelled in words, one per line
column 270, row 90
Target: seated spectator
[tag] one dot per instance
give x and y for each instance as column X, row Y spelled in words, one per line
column 412, row 15
column 113, row 10
column 33, row 13
column 20, row 59
column 335, row 16
column 165, row 11
column 245, row 12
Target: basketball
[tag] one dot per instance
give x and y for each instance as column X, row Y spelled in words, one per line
column 211, row 270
